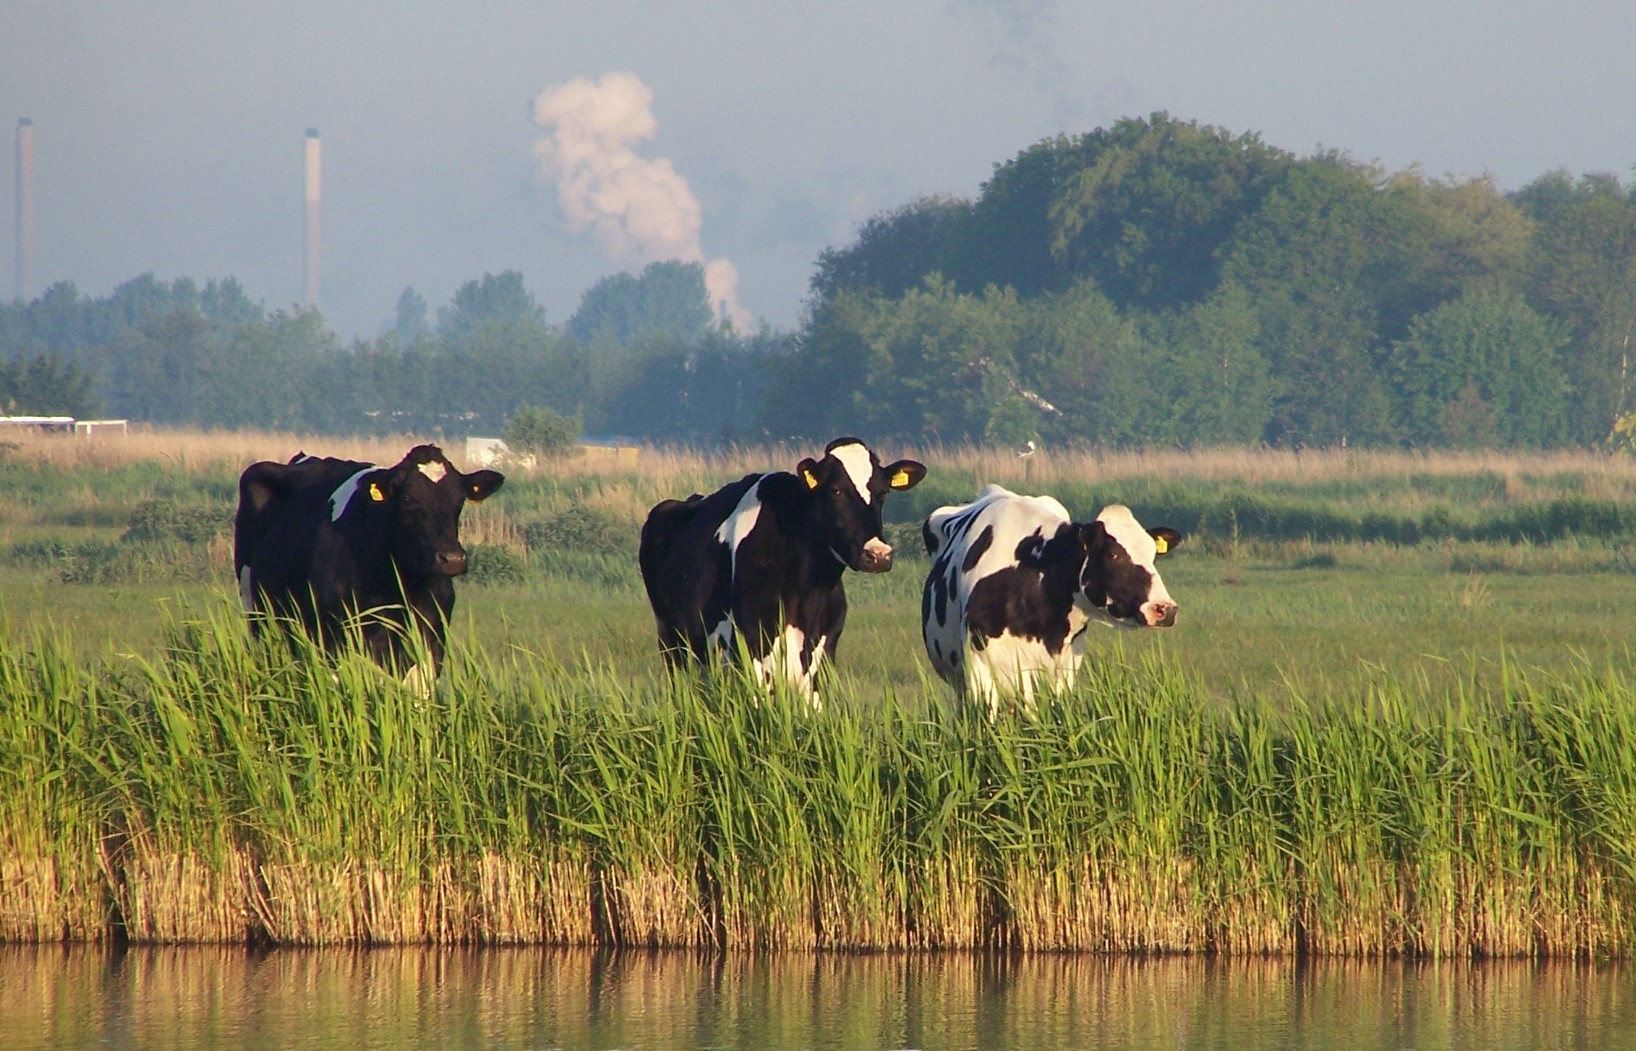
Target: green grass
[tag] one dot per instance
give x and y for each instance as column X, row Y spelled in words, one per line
column 223, row 792
column 1347, row 745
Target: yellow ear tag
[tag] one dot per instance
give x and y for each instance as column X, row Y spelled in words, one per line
column 899, row 480
column 375, row 493
column 1161, row 545
column 810, row 478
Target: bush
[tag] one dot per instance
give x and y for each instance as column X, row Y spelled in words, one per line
column 581, row 528
column 167, row 520
column 493, row 564
column 538, row 430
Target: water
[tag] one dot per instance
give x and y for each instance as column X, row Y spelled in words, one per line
column 407, row 999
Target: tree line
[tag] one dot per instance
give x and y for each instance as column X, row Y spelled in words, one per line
column 1154, row 282
column 1162, row 282
column 642, row 356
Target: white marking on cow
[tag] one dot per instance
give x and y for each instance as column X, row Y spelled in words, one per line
column 1018, row 667
column 722, row 637
column 419, row 680
column 434, row 470
column 736, row 526
column 339, row 499
column 860, row 467
column 247, row 591
column 783, row 663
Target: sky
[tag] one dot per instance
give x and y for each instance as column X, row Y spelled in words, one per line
column 569, row 141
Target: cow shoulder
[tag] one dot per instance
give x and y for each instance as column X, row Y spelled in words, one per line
column 267, row 490
column 758, row 504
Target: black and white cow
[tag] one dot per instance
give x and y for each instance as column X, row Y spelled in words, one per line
column 759, row 562
column 319, row 541
column 1015, row 582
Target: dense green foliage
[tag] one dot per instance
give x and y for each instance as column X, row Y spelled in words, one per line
column 1159, row 282
column 1153, row 283
column 535, row 430
column 640, row 357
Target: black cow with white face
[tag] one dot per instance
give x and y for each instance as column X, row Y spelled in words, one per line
column 1015, row 583
column 760, row 561
column 320, row 540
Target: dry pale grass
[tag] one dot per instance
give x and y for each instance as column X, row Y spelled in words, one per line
column 674, row 467
column 193, row 450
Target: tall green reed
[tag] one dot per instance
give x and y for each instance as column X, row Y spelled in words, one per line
column 227, row 790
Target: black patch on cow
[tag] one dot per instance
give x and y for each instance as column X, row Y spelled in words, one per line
column 1032, row 598
column 975, row 552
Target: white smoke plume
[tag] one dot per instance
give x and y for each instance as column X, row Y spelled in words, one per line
column 639, row 208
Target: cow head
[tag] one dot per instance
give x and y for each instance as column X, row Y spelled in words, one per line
column 849, row 487
column 424, row 494
column 1118, row 580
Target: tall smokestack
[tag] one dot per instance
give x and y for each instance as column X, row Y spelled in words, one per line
column 24, row 273
column 314, row 170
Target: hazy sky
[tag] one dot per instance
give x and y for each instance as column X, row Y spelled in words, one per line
column 748, row 134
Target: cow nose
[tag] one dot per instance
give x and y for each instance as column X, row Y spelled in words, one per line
column 451, row 562
column 877, row 556
column 1159, row 614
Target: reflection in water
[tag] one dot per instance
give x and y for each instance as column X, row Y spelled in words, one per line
column 534, row 998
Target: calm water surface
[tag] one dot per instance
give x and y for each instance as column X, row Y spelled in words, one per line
column 408, row 999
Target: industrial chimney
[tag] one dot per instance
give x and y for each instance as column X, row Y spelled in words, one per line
column 24, row 273
column 314, row 168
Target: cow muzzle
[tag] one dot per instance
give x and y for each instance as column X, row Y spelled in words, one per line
column 450, row 562
column 1159, row 614
column 877, row 556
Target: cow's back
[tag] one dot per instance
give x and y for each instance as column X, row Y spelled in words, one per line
column 282, row 508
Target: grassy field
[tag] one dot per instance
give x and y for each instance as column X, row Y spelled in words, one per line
column 1397, row 715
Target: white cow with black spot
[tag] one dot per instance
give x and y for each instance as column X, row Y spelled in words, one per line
column 1015, row 583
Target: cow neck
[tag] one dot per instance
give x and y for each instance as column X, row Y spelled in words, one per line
column 823, row 564
column 1064, row 565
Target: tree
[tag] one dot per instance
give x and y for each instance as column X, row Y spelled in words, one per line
column 895, row 251
column 1084, row 357
column 1319, row 258
column 539, row 431
column 667, row 299
column 493, row 302
column 1480, row 371
column 1148, row 213
column 45, row 385
column 1582, row 269
column 1213, row 377
column 409, row 324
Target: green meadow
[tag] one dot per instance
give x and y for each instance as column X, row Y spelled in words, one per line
column 1397, row 716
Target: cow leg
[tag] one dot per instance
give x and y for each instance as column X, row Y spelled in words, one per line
column 793, row 659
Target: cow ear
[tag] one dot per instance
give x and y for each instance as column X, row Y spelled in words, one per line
column 1164, row 538
column 808, row 470
column 480, row 485
column 905, row 474
column 378, row 486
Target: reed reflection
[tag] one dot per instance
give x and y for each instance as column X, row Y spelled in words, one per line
column 55, row 998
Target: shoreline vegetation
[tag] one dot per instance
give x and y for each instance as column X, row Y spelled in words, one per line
column 210, row 790
column 224, row 794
